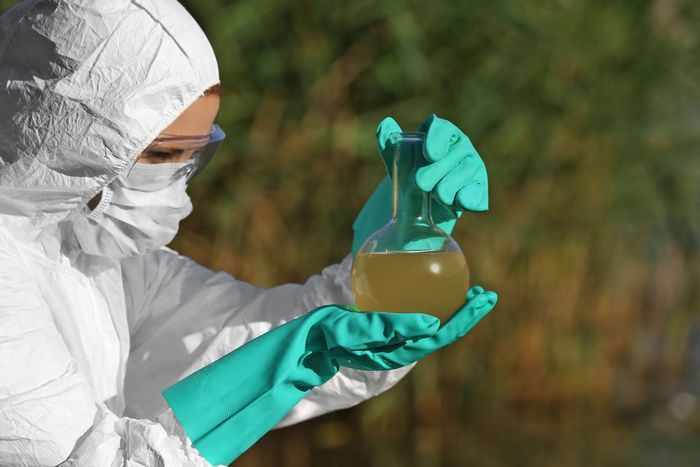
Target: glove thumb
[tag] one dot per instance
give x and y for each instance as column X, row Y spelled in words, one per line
column 385, row 128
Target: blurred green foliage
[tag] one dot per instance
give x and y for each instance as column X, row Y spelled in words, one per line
column 587, row 115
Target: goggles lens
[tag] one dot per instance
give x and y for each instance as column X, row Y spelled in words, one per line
column 195, row 151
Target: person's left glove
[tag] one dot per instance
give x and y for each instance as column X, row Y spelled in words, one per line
column 456, row 177
column 228, row 405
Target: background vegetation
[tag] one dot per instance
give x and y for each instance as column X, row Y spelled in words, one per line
column 587, row 114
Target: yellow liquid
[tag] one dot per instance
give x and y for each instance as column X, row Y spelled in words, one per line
column 419, row 282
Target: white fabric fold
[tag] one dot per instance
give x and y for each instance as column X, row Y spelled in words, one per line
column 87, row 343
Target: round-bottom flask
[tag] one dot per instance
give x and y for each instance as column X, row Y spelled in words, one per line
column 410, row 264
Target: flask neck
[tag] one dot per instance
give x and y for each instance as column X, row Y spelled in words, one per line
column 410, row 203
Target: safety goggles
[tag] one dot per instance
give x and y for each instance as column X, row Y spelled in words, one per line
column 194, row 151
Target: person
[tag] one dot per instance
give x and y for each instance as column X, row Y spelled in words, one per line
column 107, row 112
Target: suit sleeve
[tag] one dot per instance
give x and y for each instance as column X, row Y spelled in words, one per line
column 183, row 316
column 48, row 411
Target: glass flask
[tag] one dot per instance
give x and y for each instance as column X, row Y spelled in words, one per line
column 410, row 264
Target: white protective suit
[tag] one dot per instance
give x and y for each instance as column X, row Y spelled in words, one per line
column 87, row 343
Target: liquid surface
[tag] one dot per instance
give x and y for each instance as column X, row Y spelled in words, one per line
column 417, row 282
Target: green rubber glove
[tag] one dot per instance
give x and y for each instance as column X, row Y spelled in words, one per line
column 228, row 405
column 456, row 178
column 276, row 400
column 479, row 303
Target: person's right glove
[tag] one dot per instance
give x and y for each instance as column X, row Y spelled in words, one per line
column 479, row 303
column 228, row 405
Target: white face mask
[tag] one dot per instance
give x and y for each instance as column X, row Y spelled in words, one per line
column 138, row 212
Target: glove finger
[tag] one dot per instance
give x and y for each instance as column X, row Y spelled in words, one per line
column 493, row 297
column 467, row 311
column 440, row 135
column 407, row 326
column 363, row 330
column 474, row 291
column 384, row 130
column 314, row 369
column 460, row 155
column 358, row 360
column 451, row 183
column 429, row 175
column 472, row 163
column 480, row 303
column 480, row 309
column 464, row 150
column 474, row 197
column 368, row 360
column 461, row 322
